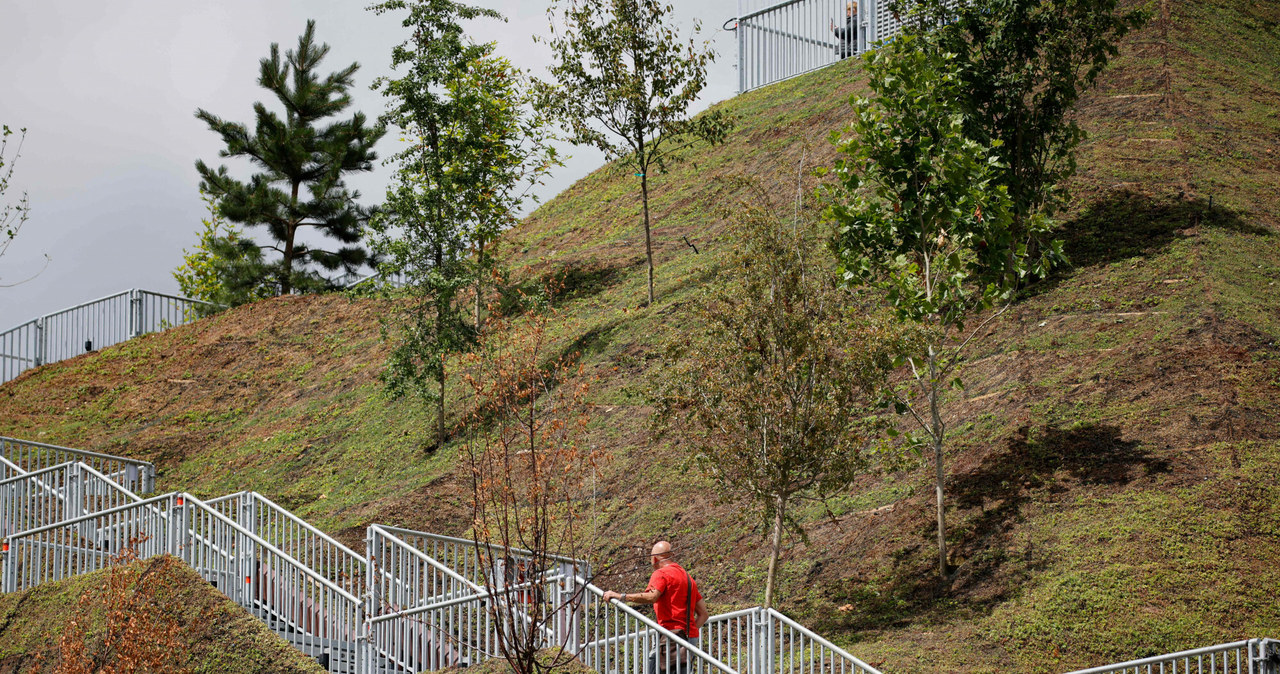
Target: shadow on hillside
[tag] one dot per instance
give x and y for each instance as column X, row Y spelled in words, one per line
column 563, row 283
column 1033, row 465
column 986, row 503
column 1127, row 224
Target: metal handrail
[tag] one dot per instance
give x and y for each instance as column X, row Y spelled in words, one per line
column 306, row 570
column 1160, row 659
column 454, row 575
column 766, row 10
column 302, row 523
column 467, row 541
column 810, row 634
column 652, row 625
column 85, row 518
column 12, row 466
column 80, row 452
column 447, row 603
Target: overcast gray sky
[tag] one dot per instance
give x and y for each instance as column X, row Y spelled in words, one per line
column 108, row 90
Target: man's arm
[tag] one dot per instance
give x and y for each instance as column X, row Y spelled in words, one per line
column 649, row 596
column 700, row 613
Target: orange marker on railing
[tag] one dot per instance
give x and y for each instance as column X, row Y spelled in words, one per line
column 5, row 547
column 179, row 500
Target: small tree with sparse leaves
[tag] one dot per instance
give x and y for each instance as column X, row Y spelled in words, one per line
column 776, row 392
column 472, row 152
column 624, row 84
column 12, row 215
column 214, row 270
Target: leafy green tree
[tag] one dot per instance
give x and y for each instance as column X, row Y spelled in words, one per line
column 921, row 214
column 624, row 84
column 302, row 165
column 470, row 146
column 12, row 215
column 221, row 260
column 777, row 389
column 1023, row 65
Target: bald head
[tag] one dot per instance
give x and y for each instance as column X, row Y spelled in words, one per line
column 661, row 554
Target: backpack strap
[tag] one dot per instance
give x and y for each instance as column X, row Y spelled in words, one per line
column 688, row 601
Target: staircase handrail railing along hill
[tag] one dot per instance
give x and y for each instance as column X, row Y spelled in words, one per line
column 415, row 601
column 27, row 455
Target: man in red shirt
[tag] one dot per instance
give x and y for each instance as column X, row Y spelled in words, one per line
column 676, row 602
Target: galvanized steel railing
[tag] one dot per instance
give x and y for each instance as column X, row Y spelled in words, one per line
column 617, row 639
column 766, row 641
column 791, row 38
column 26, row 456
column 91, row 326
column 295, row 537
column 416, row 601
column 243, row 566
column 56, row 494
column 1254, row 656
column 794, row 37
column 503, row 566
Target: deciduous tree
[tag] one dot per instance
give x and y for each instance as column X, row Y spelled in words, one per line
column 531, row 475
column 624, row 84
column 1022, row 66
column 300, row 184
column 12, row 215
column 223, row 268
column 776, row 391
column 472, row 149
column 922, row 215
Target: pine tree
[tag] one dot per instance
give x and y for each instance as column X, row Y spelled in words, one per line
column 301, row 168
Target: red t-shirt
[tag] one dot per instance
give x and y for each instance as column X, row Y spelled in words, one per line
column 674, row 608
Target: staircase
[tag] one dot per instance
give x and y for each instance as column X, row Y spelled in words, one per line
column 414, row 601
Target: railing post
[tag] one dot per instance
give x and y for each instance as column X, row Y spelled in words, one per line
column 135, row 313
column 10, row 580
column 247, row 518
column 370, row 598
column 742, row 65
column 41, row 342
column 1264, row 656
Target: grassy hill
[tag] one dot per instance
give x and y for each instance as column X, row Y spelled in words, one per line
column 219, row 636
column 1113, row 480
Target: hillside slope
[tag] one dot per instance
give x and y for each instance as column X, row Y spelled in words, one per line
column 1112, row 482
column 218, row 637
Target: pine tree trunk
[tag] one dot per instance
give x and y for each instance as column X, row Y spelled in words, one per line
column 286, row 277
column 648, row 242
column 775, row 552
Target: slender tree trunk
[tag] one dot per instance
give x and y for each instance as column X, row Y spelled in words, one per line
column 286, row 276
column 479, row 282
column 443, row 302
column 648, row 243
column 775, row 552
column 440, row 407
column 938, row 431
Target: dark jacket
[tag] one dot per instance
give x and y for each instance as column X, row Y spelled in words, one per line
column 846, row 37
